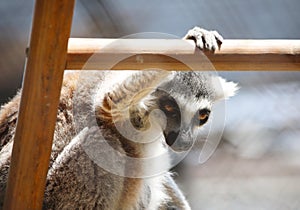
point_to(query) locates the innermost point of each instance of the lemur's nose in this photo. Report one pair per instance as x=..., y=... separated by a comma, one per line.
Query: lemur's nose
x=186, y=140
x=171, y=137
x=179, y=141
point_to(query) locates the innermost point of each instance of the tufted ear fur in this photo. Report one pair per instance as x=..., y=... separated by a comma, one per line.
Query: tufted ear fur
x=224, y=89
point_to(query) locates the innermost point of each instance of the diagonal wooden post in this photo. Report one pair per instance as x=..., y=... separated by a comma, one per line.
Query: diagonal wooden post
x=40, y=97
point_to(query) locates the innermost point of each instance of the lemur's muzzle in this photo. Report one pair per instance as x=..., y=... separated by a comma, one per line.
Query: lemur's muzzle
x=180, y=141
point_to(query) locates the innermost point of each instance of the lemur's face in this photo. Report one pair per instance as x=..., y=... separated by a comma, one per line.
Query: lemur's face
x=186, y=100
x=183, y=119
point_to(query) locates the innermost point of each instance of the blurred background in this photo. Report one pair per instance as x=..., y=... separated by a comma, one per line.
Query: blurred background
x=257, y=163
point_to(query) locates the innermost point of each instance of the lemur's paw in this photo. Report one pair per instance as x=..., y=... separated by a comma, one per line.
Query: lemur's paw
x=209, y=40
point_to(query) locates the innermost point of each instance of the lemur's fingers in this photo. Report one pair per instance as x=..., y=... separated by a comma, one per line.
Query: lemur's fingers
x=218, y=36
x=209, y=40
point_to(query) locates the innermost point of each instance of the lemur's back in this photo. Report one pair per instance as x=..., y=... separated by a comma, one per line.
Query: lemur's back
x=8, y=119
x=64, y=133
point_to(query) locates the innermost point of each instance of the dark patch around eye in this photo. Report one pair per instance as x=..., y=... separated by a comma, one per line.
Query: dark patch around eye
x=202, y=116
x=169, y=106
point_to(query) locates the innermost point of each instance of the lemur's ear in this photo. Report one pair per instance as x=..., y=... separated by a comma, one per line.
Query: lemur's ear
x=224, y=89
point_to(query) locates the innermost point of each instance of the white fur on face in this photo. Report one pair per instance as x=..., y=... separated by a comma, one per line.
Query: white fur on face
x=189, y=107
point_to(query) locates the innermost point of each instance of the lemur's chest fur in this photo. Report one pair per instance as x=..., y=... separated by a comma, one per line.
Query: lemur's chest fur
x=149, y=191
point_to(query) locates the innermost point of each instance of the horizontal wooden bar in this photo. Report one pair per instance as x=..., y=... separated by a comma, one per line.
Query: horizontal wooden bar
x=177, y=54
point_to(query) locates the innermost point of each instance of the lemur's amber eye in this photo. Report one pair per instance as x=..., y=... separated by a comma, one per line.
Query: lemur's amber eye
x=203, y=116
x=169, y=108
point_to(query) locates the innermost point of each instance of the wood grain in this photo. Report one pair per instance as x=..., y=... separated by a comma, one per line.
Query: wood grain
x=39, y=101
x=176, y=54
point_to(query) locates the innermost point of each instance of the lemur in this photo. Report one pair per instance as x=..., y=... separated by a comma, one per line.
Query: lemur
x=169, y=106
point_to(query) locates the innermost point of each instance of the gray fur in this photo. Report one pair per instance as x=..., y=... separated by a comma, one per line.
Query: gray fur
x=74, y=180
x=192, y=84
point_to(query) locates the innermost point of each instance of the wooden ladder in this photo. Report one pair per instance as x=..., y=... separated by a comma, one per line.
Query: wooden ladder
x=39, y=101
x=48, y=57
